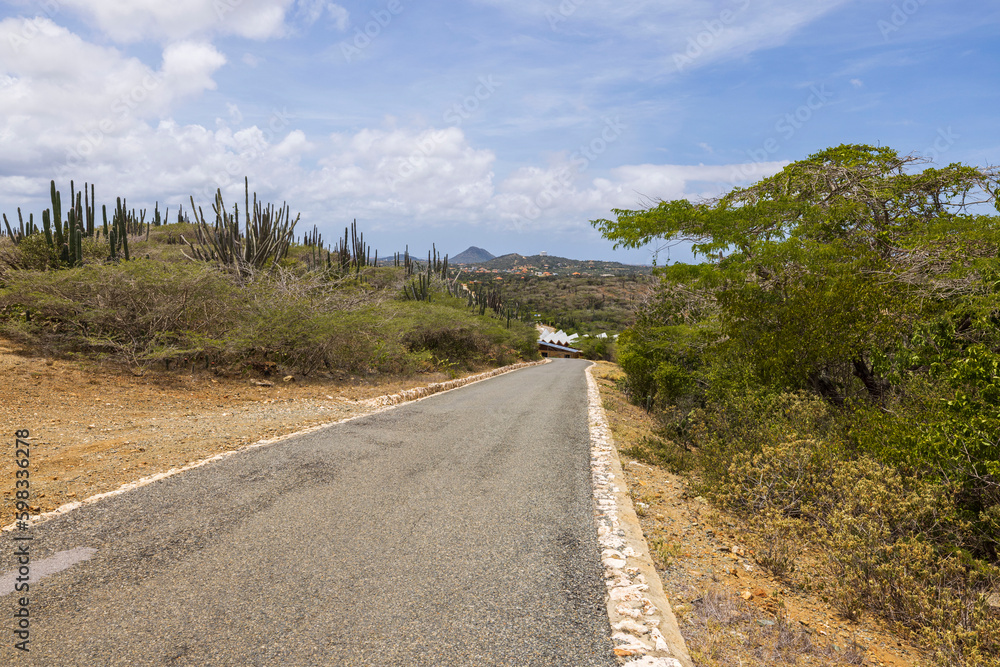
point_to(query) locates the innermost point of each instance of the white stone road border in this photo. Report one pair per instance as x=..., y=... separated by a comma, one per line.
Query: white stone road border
x=379, y=403
x=645, y=631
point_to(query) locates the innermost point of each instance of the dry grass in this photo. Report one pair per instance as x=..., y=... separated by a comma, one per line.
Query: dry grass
x=725, y=630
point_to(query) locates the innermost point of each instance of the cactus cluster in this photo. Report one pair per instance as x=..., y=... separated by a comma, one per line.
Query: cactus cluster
x=352, y=253
x=23, y=230
x=482, y=298
x=435, y=263
x=66, y=241
x=268, y=232
x=65, y=237
x=118, y=233
x=419, y=289
x=315, y=260
x=405, y=261
x=159, y=220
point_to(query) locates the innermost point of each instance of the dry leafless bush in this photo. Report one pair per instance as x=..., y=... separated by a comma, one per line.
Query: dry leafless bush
x=726, y=630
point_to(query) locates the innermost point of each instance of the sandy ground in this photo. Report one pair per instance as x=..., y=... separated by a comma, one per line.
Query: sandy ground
x=93, y=430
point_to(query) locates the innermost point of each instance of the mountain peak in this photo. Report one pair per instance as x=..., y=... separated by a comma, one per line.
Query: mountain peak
x=471, y=255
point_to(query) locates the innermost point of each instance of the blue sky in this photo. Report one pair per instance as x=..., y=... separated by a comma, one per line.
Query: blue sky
x=506, y=125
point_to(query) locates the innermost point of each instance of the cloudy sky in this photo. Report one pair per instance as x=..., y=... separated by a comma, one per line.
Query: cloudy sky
x=498, y=123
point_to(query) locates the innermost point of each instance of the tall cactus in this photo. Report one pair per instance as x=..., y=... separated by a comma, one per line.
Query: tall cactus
x=71, y=258
x=47, y=226
x=118, y=234
x=22, y=230
x=264, y=242
x=419, y=289
x=57, y=215
x=89, y=203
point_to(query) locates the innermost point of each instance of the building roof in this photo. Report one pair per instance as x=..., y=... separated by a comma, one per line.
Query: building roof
x=558, y=337
x=561, y=348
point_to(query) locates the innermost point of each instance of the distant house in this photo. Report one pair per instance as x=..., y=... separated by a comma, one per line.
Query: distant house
x=557, y=346
x=553, y=351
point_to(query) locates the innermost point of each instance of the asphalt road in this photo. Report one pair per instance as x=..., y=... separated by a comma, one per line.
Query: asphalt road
x=456, y=530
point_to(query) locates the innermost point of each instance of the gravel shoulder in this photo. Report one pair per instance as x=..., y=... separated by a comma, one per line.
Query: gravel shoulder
x=94, y=429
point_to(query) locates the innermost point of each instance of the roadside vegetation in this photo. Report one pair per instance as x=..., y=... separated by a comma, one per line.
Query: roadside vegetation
x=831, y=373
x=580, y=304
x=236, y=292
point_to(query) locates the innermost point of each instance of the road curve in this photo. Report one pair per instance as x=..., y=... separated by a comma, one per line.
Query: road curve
x=455, y=530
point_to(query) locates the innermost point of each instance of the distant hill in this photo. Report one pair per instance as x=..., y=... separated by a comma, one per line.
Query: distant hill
x=476, y=259
x=561, y=265
x=471, y=255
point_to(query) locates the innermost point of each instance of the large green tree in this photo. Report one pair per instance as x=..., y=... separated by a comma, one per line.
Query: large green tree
x=823, y=274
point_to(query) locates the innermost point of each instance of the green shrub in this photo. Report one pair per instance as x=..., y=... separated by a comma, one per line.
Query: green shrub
x=596, y=349
x=947, y=427
x=34, y=253
x=454, y=335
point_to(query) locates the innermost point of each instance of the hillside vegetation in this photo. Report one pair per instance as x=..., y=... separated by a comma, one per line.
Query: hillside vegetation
x=561, y=266
x=580, y=304
x=236, y=293
x=831, y=373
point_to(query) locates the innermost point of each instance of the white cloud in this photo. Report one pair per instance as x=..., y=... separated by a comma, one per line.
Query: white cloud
x=71, y=109
x=188, y=66
x=172, y=20
x=235, y=115
x=562, y=197
x=389, y=178
x=311, y=10
x=67, y=100
x=406, y=172
x=339, y=15
x=293, y=146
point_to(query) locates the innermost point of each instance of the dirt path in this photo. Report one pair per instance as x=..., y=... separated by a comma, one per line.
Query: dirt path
x=94, y=429
x=730, y=611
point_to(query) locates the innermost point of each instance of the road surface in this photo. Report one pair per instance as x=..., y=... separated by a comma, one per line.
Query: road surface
x=455, y=530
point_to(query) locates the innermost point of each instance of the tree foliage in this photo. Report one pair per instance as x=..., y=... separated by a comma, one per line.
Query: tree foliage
x=835, y=267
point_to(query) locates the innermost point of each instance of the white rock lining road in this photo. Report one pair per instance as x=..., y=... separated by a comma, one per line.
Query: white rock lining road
x=642, y=621
x=644, y=630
